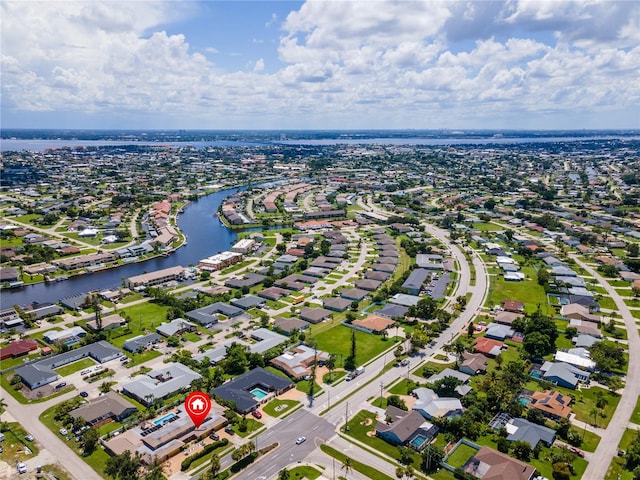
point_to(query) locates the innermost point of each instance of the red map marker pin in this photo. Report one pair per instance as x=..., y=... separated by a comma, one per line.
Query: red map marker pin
x=197, y=405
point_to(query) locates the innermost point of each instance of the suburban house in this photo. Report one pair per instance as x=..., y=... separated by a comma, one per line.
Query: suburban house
x=474, y=363
x=252, y=388
x=373, y=323
x=488, y=346
x=248, y=302
x=315, y=315
x=18, y=348
x=208, y=315
x=512, y=306
x=552, y=404
x=289, y=325
x=498, y=466
x=430, y=405
x=406, y=428
x=336, y=304
x=297, y=363
x=413, y=284
x=175, y=327
x=521, y=429
x=141, y=342
x=104, y=409
x=161, y=383
x=578, y=312
x=563, y=374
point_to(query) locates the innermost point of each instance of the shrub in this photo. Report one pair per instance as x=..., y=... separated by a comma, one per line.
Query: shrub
x=186, y=463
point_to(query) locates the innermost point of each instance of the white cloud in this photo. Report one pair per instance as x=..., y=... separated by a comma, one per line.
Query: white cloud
x=346, y=64
x=259, y=66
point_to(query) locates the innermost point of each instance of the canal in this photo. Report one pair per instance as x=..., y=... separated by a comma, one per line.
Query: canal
x=206, y=236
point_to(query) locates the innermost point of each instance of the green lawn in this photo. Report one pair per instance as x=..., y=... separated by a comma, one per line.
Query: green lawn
x=146, y=316
x=606, y=302
x=364, y=422
x=307, y=472
x=75, y=367
x=252, y=426
x=635, y=418
x=97, y=460
x=617, y=470
x=365, y=470
x=460, y=455
x=282, y=406
x=15, y=443
x=487, y=227
x=337, y=340
x=527, y=291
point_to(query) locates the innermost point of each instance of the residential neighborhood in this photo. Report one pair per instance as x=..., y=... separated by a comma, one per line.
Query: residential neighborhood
x=364, y=310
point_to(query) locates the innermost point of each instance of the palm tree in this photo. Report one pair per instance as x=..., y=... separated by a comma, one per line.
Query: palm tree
x=3, y=405
x=284, y=474
x=346, y=466
x=215, y=465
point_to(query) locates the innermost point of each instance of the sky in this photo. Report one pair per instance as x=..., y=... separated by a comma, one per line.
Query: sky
x=297, y=65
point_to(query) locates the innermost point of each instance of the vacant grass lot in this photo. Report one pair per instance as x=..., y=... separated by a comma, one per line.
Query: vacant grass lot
x=527, y=291
x=337, y=340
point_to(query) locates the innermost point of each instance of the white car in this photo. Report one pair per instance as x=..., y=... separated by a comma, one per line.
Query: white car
x=22, y=467
x=300, y=440
x=63, y=431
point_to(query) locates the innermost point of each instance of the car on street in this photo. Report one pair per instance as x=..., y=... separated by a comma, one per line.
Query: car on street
x=300, y=440
x=256, y=413
x=29, y=438
x=84, y=394
x=22, y=467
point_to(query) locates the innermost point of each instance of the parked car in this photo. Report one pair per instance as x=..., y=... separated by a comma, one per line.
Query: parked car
x=84, y=394
x=22, y=467
x=229, y=430
x=214, y=436
x=300, y=440
x=256, y=413
x=61, y=384
x=29, y=438
x=63, y=431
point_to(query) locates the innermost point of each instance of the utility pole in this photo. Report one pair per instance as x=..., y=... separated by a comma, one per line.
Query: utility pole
x=381, y=387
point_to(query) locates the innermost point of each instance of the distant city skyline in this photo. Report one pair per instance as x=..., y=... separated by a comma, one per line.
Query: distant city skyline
x=320, y=65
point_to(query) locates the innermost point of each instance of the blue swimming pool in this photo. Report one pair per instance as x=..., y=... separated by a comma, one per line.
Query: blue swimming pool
x=161, y=420
x=418, y=441
x=258, y=393
x=524, y=401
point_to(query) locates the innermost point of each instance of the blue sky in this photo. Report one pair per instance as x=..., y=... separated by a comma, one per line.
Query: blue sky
x=320, y=64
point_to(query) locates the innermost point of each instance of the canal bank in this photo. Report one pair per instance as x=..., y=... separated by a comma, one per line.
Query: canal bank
x=206, y=235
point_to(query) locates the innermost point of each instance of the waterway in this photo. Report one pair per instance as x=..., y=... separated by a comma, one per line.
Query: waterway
x=206, y=236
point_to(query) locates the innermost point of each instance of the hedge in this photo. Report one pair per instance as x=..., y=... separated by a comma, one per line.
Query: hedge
x=186, y=463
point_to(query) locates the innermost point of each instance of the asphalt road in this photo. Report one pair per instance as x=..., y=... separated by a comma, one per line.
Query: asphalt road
x=608, y=446
x=300, y=423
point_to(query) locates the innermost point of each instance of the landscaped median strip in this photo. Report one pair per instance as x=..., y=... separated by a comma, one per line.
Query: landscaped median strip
x=366, y=470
